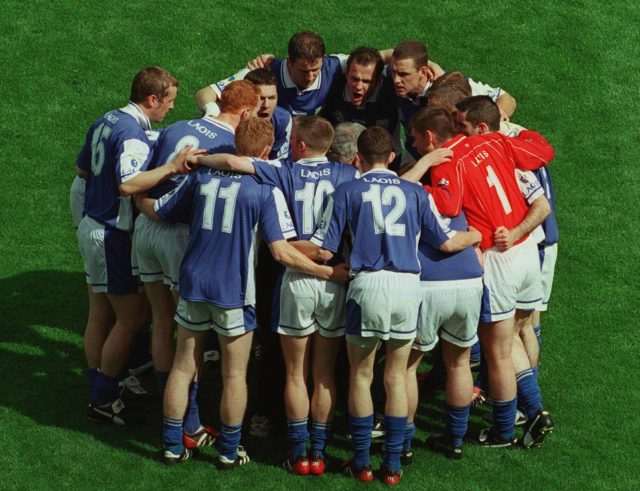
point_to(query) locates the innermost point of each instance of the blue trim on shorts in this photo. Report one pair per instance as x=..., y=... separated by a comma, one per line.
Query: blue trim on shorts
x=485, y=306
x=456, y=337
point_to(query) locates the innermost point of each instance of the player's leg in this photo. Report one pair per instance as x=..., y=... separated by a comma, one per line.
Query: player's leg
x=415, y=357
x=396, y=407
x=176, y=394
x=296, y=351
x=235, y=352
x=361, y=353
x=323, y=401
x=163, y=309
x=497, y=342
x=99, y=323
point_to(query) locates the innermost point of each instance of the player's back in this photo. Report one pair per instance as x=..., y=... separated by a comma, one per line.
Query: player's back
x=306, y=184
x=226, y=214
x=202, y=133
x=385, y=216
x=116, y=148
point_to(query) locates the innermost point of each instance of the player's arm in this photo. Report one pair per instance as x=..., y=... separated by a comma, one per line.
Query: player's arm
x=530, y=150
x=538, y=212
x=415, y=172
x=312, y=251
x=81, y=173
x=261, y=61
x=462, y=240
x=146, y=205
x=283, y=252
x=143, y=181
x=206, y=99
x=224, y=161
x=507, y=105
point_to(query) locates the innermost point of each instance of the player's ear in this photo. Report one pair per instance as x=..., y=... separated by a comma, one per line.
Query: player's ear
x=264, y=155
x=426, y=72
x=483, y=128
x=152, y=100
x=391, y=158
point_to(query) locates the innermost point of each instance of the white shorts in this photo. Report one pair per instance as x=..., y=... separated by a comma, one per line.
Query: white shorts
x=450, y=310
x=383, y=304
x=548, y=256
x=309, y=304
x=76, y=200
x=106, y=253
x=202, y=316
x=511, y=280
x=158, y=249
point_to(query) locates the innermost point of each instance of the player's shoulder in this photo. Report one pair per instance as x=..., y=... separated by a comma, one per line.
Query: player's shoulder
x=280, y=117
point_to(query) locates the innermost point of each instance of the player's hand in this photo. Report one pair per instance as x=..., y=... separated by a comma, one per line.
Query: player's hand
x=180, y=164
x=503, y=238
x=438, y=156
x=480, y=255
x=340, y=273
x=193, y=158
x=478, y=235
x=261, y=61
x=435, y=70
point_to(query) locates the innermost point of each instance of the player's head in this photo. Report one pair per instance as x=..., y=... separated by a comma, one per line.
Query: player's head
x=154, y=89
x=364, y=67
x=305, y=56
x=240, y=98
x=311, y=136
x=254, y=137
x=448, y=90
x=477, y=115
x=266, y=82
x=409, y=68
x=375, y=147
x=344, y=147
x=431, y=127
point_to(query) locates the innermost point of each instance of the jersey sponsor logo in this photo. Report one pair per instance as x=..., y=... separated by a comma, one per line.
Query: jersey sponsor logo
x=381, y=180
x=443, y=182
x=315, y=174
x=477, y=160
x=203, y=130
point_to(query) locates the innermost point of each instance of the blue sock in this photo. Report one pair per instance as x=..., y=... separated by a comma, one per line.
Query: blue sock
x=534, y=370
x=409, y=432
x=297, y=434
x=161, y=382
x=538, y=330
x=91, y=376
x=504, y=419
x=320, y=434
x=457, y=419
x=360, y=429
x=105, y=389
x=192, y=416
x=529, y=397
x=394, y=427
x=172, y=435
x=229, y=440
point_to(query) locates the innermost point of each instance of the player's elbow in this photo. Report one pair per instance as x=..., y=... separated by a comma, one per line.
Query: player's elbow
x=127, y=189
x=324, y=255
x=449, y=246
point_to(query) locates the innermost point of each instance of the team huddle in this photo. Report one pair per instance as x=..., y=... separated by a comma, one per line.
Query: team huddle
x=406, y=209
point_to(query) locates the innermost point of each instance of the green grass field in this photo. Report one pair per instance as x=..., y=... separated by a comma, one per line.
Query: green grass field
x=573, y=68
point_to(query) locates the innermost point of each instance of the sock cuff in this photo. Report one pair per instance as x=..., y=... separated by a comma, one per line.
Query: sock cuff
x=177, y=423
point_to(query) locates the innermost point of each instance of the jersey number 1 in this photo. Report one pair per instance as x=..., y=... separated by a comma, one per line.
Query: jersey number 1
x=211, y=191
x=494, y=182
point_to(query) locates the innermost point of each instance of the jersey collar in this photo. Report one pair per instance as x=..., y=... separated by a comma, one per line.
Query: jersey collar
x=454, y=141
x=288, y=82
x=222, y=124
x=133, y=110
x=380, y=171
x=312, y=161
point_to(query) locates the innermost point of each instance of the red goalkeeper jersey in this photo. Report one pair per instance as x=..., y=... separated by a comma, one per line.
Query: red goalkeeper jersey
x=480, y=179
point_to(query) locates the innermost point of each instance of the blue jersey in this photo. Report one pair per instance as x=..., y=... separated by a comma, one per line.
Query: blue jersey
x=226, y=212
x=306, y=184
x=281, y=122
x=204, y=133
x=440, y=266
x=309, y=101
x=550, y=225
x=386, y=217
x=378, y=110
x=116, y=149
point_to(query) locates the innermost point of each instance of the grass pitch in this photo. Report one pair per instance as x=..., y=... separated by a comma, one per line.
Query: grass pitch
x=573, y=68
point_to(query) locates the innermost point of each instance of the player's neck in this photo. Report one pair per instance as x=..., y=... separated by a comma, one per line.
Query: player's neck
x=231, y=119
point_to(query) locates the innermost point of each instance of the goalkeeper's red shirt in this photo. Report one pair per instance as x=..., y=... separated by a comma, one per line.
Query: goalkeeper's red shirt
x=480, y=179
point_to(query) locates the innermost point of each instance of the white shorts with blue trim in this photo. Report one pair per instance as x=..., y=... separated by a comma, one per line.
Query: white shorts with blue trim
x=309, y=304
x=450, y=310
x=158, y=249
x=202, y=316
x=548, y=255
x=383, y=304
x=512, y=280
x=76, y=200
